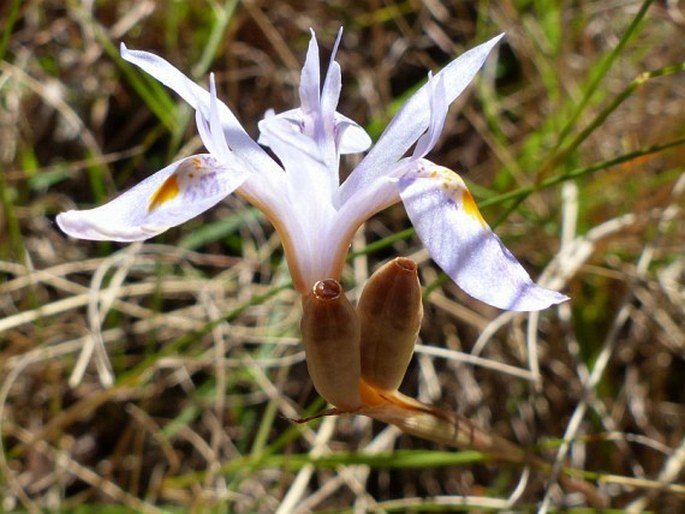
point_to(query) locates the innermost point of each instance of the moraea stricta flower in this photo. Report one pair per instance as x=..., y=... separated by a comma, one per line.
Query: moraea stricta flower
x=300, y=193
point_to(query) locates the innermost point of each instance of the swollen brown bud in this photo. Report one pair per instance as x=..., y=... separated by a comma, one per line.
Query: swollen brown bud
x=390, y=312
x=330, y=333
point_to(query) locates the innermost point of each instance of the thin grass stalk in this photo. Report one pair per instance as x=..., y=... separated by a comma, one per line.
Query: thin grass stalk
x=601, y=69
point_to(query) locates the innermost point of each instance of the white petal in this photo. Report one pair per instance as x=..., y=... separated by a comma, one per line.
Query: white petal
x=449, y=224
x=215, y=118
x=350, y=215
x=317, y=118
x=302, y=159
x=210, y=129
x=332, y=84
x=310, y=88
x=318, y=106
x=294, y=116
x=199, y=98
x=168, y=198
x=414, y=118
x=438, y=113
x=351, y=137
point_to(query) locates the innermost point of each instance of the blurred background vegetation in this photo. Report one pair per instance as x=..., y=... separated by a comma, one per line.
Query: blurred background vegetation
x=162, y=377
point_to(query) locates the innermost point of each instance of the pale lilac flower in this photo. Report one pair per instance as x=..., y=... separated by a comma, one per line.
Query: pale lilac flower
x=300, y=193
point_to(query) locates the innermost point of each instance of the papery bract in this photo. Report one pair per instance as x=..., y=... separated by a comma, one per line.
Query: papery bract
x=300, y=193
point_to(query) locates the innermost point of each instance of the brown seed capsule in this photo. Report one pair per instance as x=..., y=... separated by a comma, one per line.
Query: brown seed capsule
x=330, y=333
x=390, y=312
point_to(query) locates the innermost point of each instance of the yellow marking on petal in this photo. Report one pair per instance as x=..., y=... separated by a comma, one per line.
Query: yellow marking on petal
x=471, y=208
x=167, y=191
